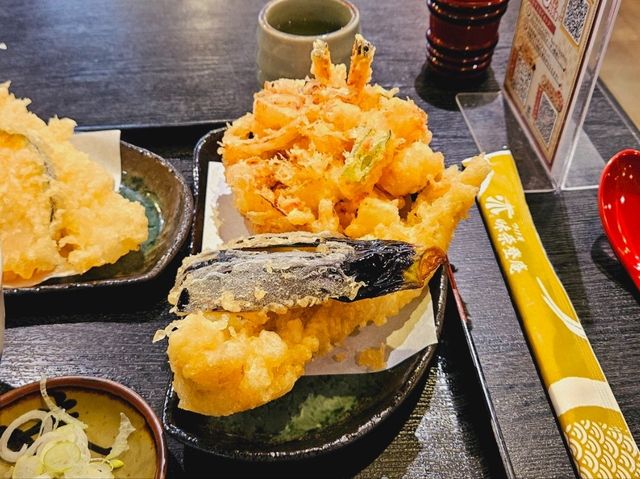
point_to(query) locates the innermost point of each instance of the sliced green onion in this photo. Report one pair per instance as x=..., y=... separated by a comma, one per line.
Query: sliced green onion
x=7, y=454
x=61, y=452
x=61, y=456
x=120, y=443
x=57, y=411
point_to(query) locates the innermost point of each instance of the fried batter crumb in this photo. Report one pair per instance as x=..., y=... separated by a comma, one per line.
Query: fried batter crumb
x=374, y=359
x=339, y=357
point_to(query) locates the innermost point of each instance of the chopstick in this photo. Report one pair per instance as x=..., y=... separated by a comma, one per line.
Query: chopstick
x=594, y=428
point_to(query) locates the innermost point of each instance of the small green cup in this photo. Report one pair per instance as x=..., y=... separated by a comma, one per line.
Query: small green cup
x=288, y=28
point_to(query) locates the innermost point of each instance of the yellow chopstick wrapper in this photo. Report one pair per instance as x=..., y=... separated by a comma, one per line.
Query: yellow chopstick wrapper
x=595, y=429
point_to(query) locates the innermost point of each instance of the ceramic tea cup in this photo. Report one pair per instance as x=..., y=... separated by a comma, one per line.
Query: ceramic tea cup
x=288, y=28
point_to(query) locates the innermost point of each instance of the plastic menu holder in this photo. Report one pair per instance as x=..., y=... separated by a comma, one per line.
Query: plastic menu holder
x=538, y=115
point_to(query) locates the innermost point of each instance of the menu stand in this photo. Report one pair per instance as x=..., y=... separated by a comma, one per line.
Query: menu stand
x=499, y=120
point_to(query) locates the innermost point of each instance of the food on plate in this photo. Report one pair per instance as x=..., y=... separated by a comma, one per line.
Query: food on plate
x=278, y=272
x=59, y=213
x=60, y=448
x=225, y=362
x=331, y=155
x=335, y=153
x=372, y=358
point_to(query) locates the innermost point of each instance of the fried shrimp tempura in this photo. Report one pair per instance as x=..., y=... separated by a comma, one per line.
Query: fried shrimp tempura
x=58, y=210
x=333, y=153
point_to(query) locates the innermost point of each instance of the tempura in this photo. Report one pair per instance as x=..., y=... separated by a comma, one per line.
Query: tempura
x=329, y=154
x=59, y=213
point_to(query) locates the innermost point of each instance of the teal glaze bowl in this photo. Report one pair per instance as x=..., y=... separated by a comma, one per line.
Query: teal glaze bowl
x=155, y=183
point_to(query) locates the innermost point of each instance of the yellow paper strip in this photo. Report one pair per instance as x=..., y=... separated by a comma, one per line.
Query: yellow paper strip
x=595, y=429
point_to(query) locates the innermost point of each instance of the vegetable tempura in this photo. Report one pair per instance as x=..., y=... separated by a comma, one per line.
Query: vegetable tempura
x=58, y=210
x=329, y=154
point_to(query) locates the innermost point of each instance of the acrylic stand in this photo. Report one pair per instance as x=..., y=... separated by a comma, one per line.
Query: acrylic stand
x=495, y=125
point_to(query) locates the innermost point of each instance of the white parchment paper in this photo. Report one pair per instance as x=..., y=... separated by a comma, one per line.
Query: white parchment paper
x=412, y=330
x=103, y=147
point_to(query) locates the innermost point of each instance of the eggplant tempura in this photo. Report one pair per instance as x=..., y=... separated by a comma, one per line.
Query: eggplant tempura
x=330, y=154
x=298, y=270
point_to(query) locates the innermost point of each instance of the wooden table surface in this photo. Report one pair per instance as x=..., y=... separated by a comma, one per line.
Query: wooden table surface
x=162, y=62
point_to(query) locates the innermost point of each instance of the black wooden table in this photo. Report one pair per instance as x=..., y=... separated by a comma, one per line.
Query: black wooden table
x=161, y=62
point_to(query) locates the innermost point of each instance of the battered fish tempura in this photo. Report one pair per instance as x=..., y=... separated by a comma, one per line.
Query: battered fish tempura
x=329, y=154
x=58, y=210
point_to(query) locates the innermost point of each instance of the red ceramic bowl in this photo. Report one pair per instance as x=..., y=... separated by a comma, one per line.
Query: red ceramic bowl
x=619, y=205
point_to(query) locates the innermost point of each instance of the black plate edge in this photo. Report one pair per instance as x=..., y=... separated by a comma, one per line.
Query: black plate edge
x=184, y=227
x=479, y=373
x=145, y=128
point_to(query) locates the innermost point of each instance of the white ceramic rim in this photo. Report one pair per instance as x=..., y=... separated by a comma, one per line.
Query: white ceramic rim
x=352, y=24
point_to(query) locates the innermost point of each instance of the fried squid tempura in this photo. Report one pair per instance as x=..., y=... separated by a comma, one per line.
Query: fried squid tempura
x=329, y=154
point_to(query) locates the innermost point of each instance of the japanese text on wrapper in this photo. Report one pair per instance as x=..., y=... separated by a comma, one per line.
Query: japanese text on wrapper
x=508, y=232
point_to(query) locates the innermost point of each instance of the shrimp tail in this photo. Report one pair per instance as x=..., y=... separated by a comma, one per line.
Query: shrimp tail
x=360, y=68
x=321, y=67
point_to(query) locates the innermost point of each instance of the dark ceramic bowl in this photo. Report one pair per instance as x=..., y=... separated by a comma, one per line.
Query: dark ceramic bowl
x=160, y=188
x=319, y=415
x=98, y=403
x=322, y=413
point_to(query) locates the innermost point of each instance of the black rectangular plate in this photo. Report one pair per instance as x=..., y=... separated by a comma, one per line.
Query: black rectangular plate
x=463, y=384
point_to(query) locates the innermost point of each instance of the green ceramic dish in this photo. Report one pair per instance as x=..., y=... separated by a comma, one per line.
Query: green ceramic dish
x=155, y=183
x=322, y=413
